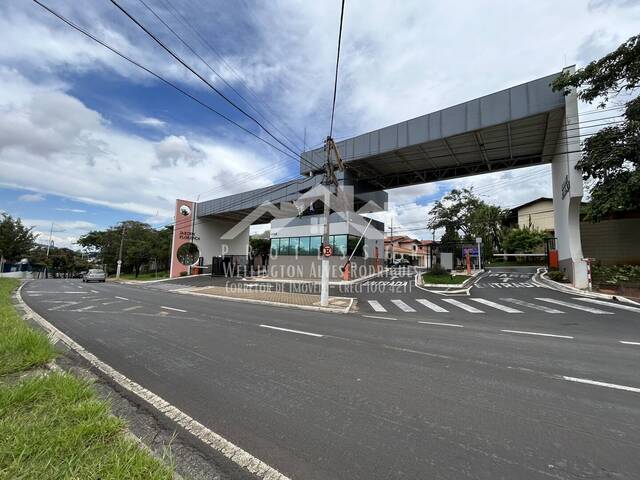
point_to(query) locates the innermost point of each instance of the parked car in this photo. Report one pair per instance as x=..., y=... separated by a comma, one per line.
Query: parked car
x=95, y=275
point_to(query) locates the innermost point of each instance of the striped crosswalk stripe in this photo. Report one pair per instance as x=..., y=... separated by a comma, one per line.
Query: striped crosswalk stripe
x=575, y=305
x=376, y=306
x=489, y=303
x=461, y=305
x=534, y=306
x=402, y=306
x=609, y=304
x=431, y=305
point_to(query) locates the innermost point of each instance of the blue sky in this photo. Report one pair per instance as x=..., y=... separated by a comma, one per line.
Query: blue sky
x=87, y=140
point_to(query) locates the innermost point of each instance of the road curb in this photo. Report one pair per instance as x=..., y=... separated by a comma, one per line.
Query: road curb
x=467, y=285
x=231, y=451
x=541, y=280
x=347, y=309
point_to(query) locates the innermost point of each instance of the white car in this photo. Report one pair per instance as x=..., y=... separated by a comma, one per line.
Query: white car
x=95, y=275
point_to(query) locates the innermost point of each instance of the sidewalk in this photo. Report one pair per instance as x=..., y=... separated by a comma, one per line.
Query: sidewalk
x=305, y=301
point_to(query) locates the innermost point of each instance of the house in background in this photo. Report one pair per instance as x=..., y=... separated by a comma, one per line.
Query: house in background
x=416, y=252
x=612, y=241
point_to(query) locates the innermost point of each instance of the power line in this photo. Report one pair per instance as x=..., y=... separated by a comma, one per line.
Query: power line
x=335, y=83
x=161, y=78
x=190, y=48
x=204, y=80
x=203, y=41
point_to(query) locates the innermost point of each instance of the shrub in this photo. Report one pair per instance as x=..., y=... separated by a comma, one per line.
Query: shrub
x=184, y=274
x=438, y=269
x=556, y=276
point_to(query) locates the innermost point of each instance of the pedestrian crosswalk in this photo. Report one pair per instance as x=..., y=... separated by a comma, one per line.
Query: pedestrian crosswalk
x=508, y=305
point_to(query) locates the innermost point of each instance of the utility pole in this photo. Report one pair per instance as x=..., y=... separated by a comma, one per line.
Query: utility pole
x=46, y=275
x=392, y=257
x=124, y=226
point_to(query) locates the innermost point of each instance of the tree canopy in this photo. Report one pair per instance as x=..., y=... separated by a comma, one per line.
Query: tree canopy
x=16, y=240
x=141, y=245
x=611, y=156
x=464, y=216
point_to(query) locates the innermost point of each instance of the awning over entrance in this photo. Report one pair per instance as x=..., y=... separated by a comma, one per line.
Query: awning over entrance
x=513, y=128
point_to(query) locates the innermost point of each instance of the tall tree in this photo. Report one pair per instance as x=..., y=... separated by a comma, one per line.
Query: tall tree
x=464, y=216
x=16, y=240
x=611, y=156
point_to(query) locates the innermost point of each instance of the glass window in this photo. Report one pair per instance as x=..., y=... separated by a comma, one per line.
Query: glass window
x=274, y=246
x=303, y=246
x=314, y=245
x=340, y=245
x=352, y=241
x=293, y=246
x=283, y=246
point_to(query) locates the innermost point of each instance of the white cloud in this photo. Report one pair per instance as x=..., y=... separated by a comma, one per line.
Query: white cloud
x=31, y=197
x=47, y=130
x=151, y=122
x=64, y=234
x=71, y=210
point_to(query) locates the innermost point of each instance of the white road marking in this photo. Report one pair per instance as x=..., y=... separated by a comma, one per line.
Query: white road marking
x=535, y=306
x=131, y=308
x=461, y=305
x=626, y=342
x=378, y=316
x=431, y=305
x=174, y=309
x=443, y=324
x=376, y=306
x=85, y=308
x=489, y=303
x=94, y=291
x=576, y=306
x=231, y=451
x=609, y=304
x=537, y=333
x=111, y=303
x=292, y=331
x=602, y=384
x=402, y=306
x=122, y=298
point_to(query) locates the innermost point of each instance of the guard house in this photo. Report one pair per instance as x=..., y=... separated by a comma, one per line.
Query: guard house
x=517, y=127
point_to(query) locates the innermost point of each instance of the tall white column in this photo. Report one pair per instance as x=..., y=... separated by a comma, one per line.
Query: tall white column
x=567, y=194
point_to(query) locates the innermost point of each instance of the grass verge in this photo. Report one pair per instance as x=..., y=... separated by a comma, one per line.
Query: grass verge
x=21, y=347
x=53, y=425
x=444, y=279
x=144, y=277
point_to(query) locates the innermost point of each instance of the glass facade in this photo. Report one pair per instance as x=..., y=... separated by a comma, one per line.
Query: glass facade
x=305, y=246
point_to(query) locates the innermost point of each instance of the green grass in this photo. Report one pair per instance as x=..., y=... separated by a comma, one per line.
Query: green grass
x=144, y=276
x=54, y=427
x=444, y=279
x=21, y=347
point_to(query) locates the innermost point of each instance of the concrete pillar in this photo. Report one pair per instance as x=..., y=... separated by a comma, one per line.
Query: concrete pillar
x=567, y=194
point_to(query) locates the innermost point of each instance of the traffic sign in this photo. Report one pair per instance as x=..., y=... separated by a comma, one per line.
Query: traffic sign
x=327, y=250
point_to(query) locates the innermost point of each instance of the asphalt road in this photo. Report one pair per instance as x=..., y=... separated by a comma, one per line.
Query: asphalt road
x=382, y=395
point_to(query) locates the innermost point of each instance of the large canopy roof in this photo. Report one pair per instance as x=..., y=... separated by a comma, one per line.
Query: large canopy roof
x=512, y=128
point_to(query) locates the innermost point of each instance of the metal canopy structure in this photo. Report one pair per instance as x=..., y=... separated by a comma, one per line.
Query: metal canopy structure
x=516, y=127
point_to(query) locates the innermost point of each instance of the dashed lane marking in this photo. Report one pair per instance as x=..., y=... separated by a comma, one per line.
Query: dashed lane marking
x=461, y=305
x=173, y=309
x=380, y=317
x=403, y=306
x=431, y=305
x=627, y=342
x=84, y=309
x=122, y=298
x=608, y=304
x=534, y=306
x=498, y=306
x=443, y=324
x=574, y=305
x=539, y=334
x=128, y=309
x=300, y=332
x=602, y=384
x=376, y=306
